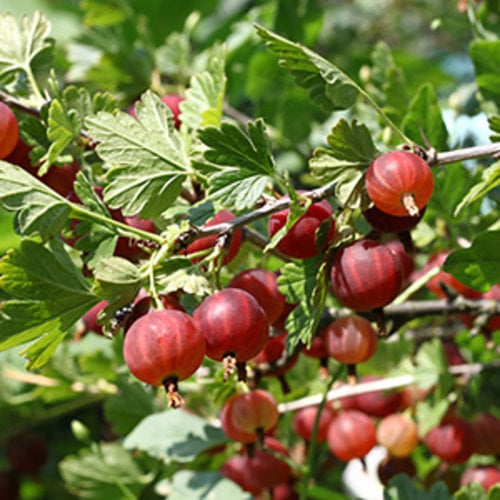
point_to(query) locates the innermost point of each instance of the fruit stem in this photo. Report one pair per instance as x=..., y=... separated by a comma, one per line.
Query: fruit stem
x=175, y=400
x=408, y=201
x=352, y=376
x=229, y=364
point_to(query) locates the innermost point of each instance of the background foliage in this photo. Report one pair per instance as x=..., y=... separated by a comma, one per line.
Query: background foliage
x=300, y=93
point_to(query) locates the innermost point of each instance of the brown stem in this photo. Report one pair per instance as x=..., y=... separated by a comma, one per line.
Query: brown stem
x=175, y=400
x=408, y=201
x=352, y=376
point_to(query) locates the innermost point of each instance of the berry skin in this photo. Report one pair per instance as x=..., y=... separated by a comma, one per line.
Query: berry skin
x=234, y=325
x=9, y=130
x=351, y=340
x=400, y=183
x=487, y=476
x=366, y=275
x=386, y=223
x=303, y=422
x=300, y=241
x=453, y=440
x=398, y=434
x=247, y=416
x=208, y=242
x=262, y=284
x=163, y=347
x=351, y=435
x=27, y=452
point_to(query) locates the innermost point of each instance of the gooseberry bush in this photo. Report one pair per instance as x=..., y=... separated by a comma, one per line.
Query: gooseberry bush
x=247, y=252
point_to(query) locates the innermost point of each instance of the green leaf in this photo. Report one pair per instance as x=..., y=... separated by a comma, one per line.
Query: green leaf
x=148, y=157
x=205, y=96
x=22, y=42
x=478, y=266
x=66, y=117
x=104, y=471
x=244, y=163
x=39, y=208
x=127, y=408
x=490, y=179
x=195, y=485
x=401, y=487
x=118, y=281
x=174, y=435
x=485, y=55
x=303, y=283
x=424, y=119
x=472, y=491
x=47, y=294
x=328, y=86
x=494, y=122
x=350, y=153
x=389, y=82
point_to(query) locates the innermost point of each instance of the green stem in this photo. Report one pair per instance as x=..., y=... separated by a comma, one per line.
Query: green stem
x=311, y=454
x=34, y=85
x=384, y=117
x=82, y=212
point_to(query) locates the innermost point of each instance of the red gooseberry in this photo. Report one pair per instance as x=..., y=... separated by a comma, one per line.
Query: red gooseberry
x=366, y=275
x=398, y=434
x=208, y=242
x=234, y=325
x=400, y=183
x=301, y=242
x=9, y=130
x=163, y=347
x=351, y=435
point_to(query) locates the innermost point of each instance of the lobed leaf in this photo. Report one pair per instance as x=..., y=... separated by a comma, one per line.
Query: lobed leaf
x=196, y=485
x=149, y=163
x=328, y=86
x=478, y=266
x=485, y=55
x=424, y=120
x=205, y=96
x=39, y=208
x=102, y=472
x=350, y=152
x=46, y=293
x=174, y=436
x=490, y=179
x=243, y=163
x=22, y=42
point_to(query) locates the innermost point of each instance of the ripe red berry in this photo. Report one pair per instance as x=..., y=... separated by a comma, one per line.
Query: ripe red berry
x=173, y=102
x=453, y=440
x=208, y=242
x=366, y=275
x=487, y=476
x=386, y=223
x=304, y=419
x=392, y=466
x=350, y=340
x=351, y=435
x=406, y=260
x=9, y=130
x=247, y=416
x=263, y=285
x=89, y=320
x=10, y=485
x=446, y=280
x=301, y=240
x=234, y=325
x=27, y=452
x=398, y=433
x=378, y=403
x=400, y=183
x=486, y=428
x=130, y=248
x=163, y=347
